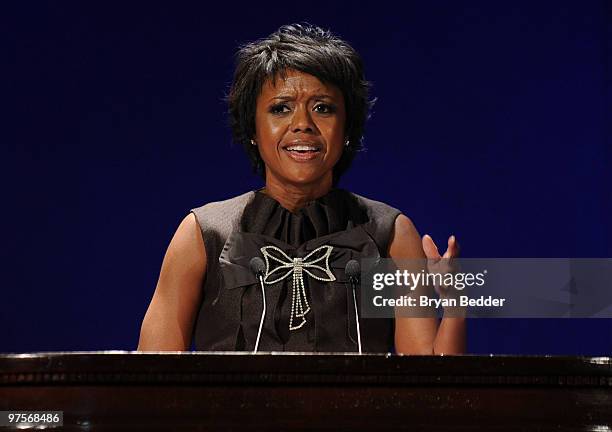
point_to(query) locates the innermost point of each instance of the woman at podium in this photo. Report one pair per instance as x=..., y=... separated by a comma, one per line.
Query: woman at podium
x=267, y=270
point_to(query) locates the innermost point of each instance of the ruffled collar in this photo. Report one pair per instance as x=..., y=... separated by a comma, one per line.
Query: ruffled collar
x=338, y=210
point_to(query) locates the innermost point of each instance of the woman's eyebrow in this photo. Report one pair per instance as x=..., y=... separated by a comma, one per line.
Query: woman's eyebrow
x=282, y=97
x=322, y=96
x=292, y=97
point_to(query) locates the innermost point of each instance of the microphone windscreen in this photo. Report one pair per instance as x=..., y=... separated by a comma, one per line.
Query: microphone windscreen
x=257, y=265
x=352, y=269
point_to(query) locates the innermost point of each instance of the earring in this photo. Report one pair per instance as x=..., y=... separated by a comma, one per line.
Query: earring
x=253, y=142
x=346, y=143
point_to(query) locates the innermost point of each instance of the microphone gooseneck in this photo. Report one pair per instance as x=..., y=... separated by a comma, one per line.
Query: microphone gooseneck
x=258, y=267
x=352, y=271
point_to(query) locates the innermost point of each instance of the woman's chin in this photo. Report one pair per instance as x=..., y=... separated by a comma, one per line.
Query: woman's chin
x=307, y=177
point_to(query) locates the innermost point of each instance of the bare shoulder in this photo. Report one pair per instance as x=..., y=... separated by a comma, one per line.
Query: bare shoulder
x=406, y=240
x=188, y=232
x=184, y=264
x=187, y=245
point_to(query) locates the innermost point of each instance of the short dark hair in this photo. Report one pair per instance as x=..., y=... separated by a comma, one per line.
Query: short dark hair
x=309, y=49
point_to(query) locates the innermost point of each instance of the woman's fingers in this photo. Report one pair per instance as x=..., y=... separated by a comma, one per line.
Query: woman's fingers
x=441, y=264
x=430, y=248
x=453, y=248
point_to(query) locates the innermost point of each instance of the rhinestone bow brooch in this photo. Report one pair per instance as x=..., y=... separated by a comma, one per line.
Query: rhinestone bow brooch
x=279, y=266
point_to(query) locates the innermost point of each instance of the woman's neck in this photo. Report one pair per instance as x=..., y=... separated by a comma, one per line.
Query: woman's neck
x=294, y=197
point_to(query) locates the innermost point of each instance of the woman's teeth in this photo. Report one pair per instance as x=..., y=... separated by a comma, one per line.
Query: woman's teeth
x=302, y=148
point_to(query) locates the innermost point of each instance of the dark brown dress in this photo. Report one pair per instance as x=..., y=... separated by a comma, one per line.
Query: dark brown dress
x=322, y=236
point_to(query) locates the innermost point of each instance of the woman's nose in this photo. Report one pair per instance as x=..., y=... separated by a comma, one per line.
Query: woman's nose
x=302, y=121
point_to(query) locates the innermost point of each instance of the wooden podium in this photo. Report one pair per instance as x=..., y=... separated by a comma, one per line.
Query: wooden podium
x=239, y=391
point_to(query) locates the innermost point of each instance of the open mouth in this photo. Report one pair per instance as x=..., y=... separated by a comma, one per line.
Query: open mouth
x=303, y=152
x=303, y=149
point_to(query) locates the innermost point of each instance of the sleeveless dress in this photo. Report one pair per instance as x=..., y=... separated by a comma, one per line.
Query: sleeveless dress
x=321, y=237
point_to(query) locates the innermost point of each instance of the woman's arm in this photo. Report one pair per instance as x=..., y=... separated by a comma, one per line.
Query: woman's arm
x=422, y=335
x=168, y=323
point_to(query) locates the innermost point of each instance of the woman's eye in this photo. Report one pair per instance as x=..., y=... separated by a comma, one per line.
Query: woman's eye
x=280, y=108
x=324, y=108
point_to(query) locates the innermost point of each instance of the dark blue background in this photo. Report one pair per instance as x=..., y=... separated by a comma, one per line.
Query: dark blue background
x=492, y=123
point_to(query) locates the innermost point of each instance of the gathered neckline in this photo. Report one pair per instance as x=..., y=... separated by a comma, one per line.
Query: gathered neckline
x=328, y=197
x=335, y=211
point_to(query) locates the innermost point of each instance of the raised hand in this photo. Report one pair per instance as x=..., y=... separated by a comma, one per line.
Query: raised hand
x=442, y=264
x=431, y=250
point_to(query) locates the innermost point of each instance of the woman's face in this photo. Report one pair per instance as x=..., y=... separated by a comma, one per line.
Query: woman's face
x=299, y=125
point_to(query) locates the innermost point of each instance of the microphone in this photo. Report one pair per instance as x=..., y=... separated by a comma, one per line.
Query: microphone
x=258, y=267
x=352, y=271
